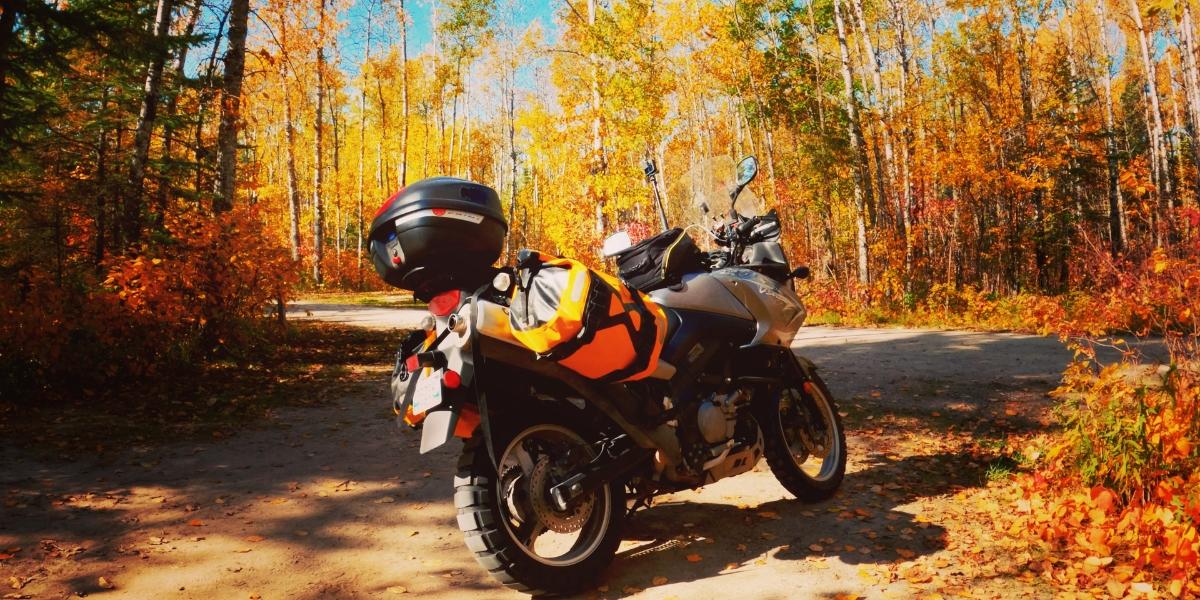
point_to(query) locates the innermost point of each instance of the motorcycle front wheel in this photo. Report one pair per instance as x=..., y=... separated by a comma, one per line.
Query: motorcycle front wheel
x=804, y=442
x=512, y=524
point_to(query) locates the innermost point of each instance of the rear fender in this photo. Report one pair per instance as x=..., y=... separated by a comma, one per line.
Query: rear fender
x=457, y=415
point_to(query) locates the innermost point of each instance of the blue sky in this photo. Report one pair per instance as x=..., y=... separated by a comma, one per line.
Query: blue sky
x=352, y=38
x=420, y=29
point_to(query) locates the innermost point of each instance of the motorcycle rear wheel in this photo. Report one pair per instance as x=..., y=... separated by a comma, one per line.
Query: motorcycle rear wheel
x=804, y=442
x=506, y=517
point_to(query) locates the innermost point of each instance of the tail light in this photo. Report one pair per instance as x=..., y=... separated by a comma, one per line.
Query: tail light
x=451, y=380
x=444, y=303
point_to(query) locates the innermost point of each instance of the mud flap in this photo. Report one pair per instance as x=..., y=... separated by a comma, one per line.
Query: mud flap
x=437, y=429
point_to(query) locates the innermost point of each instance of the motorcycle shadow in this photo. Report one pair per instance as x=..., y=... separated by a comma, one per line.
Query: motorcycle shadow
x=864, y=523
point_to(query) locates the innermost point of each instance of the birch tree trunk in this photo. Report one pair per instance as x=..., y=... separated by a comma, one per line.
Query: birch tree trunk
x=362, y=150
x=102, y=180
x=906, y=136
x=1158, y=143
x=887, y=193
x=132, y=208
x=231, y=106
x=1192, y=84
x=1116, y=204
x=318, y=151
x=854, y=132
x=466, y=138
x=512, y=147
x=599, y=163
x=403, y=159
x=454, y=117
x=1031, y=147
x=293, y=188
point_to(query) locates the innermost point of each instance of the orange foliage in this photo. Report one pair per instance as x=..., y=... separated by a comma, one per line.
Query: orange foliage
x=196, y=293
x=1121, y=485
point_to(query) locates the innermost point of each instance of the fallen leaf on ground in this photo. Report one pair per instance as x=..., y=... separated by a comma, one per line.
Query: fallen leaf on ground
x=105, y=583
x=242, y=550
x=660, y=580
x=5, y=556
x=768, y=514
x=816, y=547
x=694, y=558
x=195, y=523
x=254, y=539
x=397, y=589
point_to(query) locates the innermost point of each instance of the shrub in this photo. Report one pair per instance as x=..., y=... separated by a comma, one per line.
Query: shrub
x=198, y=290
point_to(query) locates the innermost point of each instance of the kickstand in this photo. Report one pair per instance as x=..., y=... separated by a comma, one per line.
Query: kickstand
x=642, y=501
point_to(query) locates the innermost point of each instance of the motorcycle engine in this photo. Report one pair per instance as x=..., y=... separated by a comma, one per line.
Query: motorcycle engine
x=724, y=440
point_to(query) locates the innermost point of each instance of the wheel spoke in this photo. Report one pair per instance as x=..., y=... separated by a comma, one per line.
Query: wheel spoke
x=529, y=531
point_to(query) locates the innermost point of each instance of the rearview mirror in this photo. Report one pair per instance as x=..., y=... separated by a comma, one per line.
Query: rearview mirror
x=746, y=170
x=616, y=244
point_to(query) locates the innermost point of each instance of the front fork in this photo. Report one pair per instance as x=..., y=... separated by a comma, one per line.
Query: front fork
x=813, y=431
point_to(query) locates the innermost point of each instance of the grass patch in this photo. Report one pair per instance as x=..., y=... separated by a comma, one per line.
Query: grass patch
x=1001, y=468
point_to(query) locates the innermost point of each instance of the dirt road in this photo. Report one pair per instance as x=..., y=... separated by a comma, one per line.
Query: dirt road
x=334, y=501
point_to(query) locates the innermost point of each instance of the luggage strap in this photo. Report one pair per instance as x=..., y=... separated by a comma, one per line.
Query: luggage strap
x=595, y=320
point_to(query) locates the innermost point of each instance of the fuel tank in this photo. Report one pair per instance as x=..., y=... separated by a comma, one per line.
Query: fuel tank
x=741, y=293
x=702, y=292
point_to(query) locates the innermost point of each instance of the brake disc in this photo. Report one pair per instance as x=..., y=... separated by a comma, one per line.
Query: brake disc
x=814, y=441
x=515, y=495
x=568, y=521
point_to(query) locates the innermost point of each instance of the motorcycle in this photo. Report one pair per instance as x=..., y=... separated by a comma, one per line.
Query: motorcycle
x=553, y=462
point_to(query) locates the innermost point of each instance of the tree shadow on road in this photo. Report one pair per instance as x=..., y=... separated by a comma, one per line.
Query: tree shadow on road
x=863, y=524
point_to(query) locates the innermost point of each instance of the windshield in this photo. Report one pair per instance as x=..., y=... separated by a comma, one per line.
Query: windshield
x=709, y=181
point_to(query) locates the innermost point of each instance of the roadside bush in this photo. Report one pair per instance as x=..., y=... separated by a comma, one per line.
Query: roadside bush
x=1120, y=486
x=198, y=290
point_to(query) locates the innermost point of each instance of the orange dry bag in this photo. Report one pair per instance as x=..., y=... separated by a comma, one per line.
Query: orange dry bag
x=589, y=322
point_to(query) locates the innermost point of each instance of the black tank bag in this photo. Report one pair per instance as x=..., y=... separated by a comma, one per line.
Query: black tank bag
x=659, y=261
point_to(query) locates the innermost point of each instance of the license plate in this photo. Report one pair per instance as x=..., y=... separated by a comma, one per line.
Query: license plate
x=428, y=394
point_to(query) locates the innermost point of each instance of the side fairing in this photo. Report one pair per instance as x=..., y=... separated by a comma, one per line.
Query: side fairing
x=779, y=313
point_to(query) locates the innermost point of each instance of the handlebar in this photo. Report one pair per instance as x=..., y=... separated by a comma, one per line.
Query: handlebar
x=748, y=226
x=737, y=230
